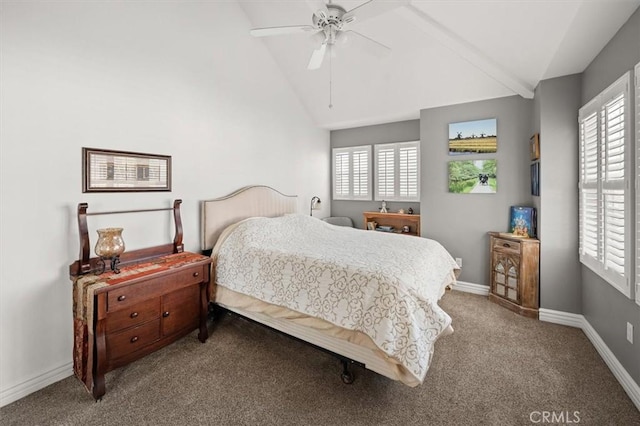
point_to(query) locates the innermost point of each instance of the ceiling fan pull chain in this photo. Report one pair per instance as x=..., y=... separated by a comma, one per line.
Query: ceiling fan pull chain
x=330, y=78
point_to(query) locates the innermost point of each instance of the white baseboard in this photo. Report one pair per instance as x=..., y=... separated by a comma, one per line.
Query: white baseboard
x=482, y=290
x=579, y=321
x=627, y=382
x=562, y=318
x=14, y=393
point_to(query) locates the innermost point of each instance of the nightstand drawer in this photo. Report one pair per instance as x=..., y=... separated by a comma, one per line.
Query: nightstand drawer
x=132, y=339
x=506, y=245
x=130, y=295
x=133, y=315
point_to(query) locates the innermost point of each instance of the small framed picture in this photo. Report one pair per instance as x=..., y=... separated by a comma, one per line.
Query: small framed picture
x=534, y=147
x=535, y=179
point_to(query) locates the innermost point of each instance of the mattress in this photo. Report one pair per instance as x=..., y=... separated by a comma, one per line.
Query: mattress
x=375, y=292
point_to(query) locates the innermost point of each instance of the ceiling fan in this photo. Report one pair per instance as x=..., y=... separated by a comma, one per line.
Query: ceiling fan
x=331, y=22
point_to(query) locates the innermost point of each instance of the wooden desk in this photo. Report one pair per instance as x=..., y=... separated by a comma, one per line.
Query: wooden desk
x=159, y=296
x=396, y=220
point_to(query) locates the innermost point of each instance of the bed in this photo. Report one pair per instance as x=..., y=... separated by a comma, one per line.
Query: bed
x=368, y=298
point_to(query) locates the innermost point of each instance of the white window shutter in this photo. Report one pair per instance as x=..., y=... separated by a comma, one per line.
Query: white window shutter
x=613, y=184
x=352, y=173
x=589, y=201
x=409, y=173
x=385, y=173
x=637, y=258
x=604, y=198
x=341, y=174
x=360, y=172
x=397, y=171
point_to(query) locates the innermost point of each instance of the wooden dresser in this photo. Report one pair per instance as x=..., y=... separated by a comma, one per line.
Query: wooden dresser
x=514, y=273
x=395, y=220
x=159, y=296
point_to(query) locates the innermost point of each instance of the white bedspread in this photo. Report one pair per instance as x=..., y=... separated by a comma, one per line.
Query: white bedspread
x=384, y=285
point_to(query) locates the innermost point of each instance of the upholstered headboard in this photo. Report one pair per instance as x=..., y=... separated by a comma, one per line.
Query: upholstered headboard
x=250, y=201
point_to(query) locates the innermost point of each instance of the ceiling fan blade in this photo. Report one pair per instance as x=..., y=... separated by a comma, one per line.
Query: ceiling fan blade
x=365, y=43
x=293, y=29
x=317, y=56
x=316, y=5
x=372, y=8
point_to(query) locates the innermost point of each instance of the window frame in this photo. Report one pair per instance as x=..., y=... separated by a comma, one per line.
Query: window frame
x=395, y=148
x=350, y=151
x=606, y=188
x=637, y=180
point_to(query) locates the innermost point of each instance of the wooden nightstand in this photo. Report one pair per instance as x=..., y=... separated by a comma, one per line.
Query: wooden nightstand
x=514, y=273
x=159, y=296
x=395, y=220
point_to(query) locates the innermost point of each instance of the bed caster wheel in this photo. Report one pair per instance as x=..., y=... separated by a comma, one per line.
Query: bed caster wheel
x=347, y=378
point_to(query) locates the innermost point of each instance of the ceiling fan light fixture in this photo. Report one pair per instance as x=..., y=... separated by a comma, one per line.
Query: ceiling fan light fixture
x=330, y=25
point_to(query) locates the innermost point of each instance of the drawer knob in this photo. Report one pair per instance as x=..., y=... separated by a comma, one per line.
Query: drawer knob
x=134, y=315
x=121, y=298
x=134, y=339
x=195, y=274
x=506, y=245
x=165, y=314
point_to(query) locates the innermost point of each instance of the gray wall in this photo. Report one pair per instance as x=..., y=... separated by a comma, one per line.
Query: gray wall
x=606, y=309
x=461, y=221
x=401, y=131
x=559, y=101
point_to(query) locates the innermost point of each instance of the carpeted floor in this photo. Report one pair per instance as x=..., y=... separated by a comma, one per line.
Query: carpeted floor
x=497, y=368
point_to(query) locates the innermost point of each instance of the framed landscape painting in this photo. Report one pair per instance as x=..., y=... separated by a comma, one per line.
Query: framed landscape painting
x=473, y=177
x=473, y=137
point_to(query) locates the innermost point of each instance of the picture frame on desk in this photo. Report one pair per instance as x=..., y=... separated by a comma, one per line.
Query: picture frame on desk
x=522, y=221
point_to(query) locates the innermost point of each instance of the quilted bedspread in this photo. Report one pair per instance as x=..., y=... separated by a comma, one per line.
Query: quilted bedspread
x=384, y=285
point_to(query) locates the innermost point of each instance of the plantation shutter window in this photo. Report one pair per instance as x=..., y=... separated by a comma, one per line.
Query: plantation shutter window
x=408, y=184
x=637, y=80
x=397, y=171
x=604, y=196
x=352, y=173
x=589, y=186
x=385, y=173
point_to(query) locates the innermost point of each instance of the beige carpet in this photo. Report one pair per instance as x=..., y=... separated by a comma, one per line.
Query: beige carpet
x=497, y=368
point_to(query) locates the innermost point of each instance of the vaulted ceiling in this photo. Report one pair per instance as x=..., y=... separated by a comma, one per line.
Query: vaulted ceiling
x=442, y=52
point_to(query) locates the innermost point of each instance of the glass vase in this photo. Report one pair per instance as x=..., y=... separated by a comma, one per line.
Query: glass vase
x=110, y=243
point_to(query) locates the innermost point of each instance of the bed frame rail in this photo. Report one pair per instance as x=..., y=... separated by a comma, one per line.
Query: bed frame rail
x=347, y=374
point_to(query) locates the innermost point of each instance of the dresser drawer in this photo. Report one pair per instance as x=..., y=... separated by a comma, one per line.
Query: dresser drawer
x=133, y=315
x=132, y=339
x=125, y=297
x=506, y=245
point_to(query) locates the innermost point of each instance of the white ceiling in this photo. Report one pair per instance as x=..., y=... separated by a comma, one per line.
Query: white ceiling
x=443, y=53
